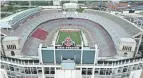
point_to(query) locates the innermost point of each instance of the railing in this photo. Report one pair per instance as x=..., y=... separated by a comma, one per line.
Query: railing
x=114, y=68
x=136, y=20
x=120, y=62
x=20, y=61
x=136, y=60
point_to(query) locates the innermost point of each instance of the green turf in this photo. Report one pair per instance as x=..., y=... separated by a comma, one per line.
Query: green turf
x=75, y=36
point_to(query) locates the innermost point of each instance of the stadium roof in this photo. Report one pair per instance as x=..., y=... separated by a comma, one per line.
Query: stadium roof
x=5, y=24
x=10, y=38
x=127, y=40
x=9, y=18
x=133, y=15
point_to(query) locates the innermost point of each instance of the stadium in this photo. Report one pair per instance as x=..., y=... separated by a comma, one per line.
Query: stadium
x=56, y=43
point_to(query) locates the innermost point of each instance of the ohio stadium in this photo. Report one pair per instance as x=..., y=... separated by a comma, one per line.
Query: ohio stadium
x=61, y=42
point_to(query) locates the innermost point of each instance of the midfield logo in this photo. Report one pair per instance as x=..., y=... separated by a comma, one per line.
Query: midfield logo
x=68, y=42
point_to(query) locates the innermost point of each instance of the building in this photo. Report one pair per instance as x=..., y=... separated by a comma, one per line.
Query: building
x=53, y=43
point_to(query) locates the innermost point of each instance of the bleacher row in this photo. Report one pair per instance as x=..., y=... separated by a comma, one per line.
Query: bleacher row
x=110, y=27
x=52, y=14
x=128, y=27
x=30, y=27
x=55, y=15
x=40, y=34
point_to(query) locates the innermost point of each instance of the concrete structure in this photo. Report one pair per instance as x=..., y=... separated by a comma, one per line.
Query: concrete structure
x=127, y=46
x=11, y=46
x=135, y=18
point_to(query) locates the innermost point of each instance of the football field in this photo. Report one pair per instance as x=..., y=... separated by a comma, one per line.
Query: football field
x=74, y=35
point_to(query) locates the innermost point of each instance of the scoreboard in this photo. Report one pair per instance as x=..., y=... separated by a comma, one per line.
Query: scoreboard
x=64, y=47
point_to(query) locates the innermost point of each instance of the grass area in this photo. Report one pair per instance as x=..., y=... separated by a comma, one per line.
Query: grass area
x=74, y=35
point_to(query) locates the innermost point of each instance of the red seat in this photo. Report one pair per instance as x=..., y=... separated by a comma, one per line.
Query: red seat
x=40, y=34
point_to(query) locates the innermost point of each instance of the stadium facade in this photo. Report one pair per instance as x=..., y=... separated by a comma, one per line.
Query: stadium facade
x=108, y=47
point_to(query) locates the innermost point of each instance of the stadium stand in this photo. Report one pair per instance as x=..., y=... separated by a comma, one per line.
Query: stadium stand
x=104, y=67
x=40, y=34
x=99, y=63
x=115, y=36
x=53, y=14
x=14, y=20
x=128, y=27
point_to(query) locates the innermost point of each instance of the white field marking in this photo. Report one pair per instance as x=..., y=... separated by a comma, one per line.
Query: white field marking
x=84, y=39
x=88, y=33
x=49, y=36
x=56, y=37
x=68, y=29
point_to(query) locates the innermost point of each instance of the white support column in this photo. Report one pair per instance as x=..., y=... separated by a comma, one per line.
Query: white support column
x=54, y=59
x=140, y=40
x=95, y=60
x=29, y=4
x=116, y=70
x=137, y=21
x=99, y=71
x=37, y=71
x=40, y=54
x=30, y=71
x=81, y=52
x=40, y=59
x=81, y=57
x=121, y=69
x=93, y=71
x=96, y=54
x=55, y=72
x=54, y=54
x=43, y=75
x=130, y=19
x=24, y=68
